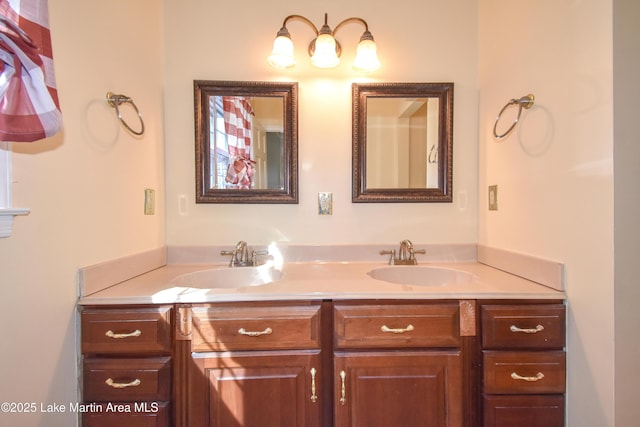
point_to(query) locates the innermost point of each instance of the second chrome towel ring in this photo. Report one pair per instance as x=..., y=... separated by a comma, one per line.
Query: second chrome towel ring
x=525, y=102
x=115, y=100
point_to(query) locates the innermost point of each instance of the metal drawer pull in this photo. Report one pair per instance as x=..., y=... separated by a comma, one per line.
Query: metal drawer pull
x=243, y=331
x=385, y=328
x=112, y=334
x=314, y=397
x=114, y=384
x=343, y=392
x=535, y=330
x=538, y=377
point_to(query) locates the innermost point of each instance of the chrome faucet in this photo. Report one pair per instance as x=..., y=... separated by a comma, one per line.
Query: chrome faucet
x=406, y=254
x=240, y=255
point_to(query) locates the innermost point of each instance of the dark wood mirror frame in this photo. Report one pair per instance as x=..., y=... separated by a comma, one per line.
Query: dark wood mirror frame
x=288, y=91
x=361, y=92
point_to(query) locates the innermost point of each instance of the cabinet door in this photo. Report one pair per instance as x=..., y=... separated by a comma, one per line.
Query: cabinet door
x=255, y=389
x=408, y=388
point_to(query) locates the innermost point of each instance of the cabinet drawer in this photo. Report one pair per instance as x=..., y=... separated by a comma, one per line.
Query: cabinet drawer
x=120, y=380
x=423, y=325
x=529, y=411
x=523, y=326
x=138, y=414
x=524, y=372
x=126, y=331
x=255, y=328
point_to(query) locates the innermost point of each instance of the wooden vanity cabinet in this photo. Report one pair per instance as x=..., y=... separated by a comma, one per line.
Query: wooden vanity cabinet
x=524, y=364
x=398, y=365
x=126, y=366
x=435, y=363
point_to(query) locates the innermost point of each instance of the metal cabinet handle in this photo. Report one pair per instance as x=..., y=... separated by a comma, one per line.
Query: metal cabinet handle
x=343, y=391
x=535, y=330
x=112, y=334
x=385, y=328
x=243, y=331
x=538, y=377
x=314, y=397
x=112, y=383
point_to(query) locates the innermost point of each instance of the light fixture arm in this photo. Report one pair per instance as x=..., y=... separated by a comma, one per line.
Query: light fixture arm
x=303, y=19
x=346, y=21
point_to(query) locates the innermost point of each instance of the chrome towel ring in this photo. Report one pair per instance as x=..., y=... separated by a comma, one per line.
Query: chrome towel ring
x=115, y=101
x=525, y=102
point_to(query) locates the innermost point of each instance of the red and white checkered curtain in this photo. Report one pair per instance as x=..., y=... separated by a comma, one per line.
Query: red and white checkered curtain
x=29, y=107
x=238, y=118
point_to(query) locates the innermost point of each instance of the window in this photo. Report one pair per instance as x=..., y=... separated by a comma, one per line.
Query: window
x=7, y=212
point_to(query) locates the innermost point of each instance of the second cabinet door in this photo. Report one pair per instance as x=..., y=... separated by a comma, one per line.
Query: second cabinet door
x=408, y=388
x=255, y=389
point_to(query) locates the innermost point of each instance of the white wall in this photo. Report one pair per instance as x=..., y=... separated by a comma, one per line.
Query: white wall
x=555, y=172
x=85, y=189
x=626, y=60
x=426, y=41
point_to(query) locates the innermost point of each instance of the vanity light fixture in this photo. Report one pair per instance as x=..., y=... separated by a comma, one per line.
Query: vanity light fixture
x=324, y=50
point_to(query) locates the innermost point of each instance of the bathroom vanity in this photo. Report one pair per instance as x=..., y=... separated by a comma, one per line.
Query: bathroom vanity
x=310, y=350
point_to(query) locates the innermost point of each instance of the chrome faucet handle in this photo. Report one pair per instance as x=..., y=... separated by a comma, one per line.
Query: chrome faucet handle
x=413, y=252
x=233, y=255
x=392, y=252
x=254, y=256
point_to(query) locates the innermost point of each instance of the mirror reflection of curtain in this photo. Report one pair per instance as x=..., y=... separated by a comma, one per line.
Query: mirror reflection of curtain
x=238, y=117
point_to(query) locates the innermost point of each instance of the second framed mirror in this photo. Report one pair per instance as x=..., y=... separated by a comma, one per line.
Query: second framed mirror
x=402, y=142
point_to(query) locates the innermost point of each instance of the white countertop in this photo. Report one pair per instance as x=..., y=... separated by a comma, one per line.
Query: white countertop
x=317, y=281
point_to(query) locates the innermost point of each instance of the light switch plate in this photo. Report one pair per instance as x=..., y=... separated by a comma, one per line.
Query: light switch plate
x=149, y=201
x=325, y=203
x=493, y=197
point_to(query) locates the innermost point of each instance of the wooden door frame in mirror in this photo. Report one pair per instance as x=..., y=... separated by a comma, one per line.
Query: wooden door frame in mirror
x=360, y=93
x=288, y=91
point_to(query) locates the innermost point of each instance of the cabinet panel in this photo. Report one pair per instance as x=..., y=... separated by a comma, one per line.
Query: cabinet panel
x=255, y=328
x=136, y=416
x=424, y=325
x=510, y=372
x=408, y=388
x=255, y=389
x=120, y=380
x=126, y=331
x=539, y=326
x=524, y=411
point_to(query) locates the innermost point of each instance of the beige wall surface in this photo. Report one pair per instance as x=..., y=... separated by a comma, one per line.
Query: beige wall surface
x=425, y=41
x=555, y=171
x=85, y=189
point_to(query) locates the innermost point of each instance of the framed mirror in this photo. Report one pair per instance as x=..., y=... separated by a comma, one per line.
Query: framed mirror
x=402, y=142
x=246, y=142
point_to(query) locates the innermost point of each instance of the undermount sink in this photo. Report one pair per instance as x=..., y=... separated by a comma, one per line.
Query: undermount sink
x=229, y=277
x=421, y=275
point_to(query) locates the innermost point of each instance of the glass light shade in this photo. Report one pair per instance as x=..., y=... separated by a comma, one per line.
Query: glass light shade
x=282, y=53
x=325, y=55
x=366, y=57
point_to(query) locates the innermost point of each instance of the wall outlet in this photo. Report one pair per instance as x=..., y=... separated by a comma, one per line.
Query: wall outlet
x=325, y=203
x=493, y=197
x=149, y=201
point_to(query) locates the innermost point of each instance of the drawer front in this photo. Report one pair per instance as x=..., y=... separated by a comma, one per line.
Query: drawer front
x=126, y=331
x=121, y=380
x=255, y=328
x=139, y=414
x=524, y=372
x=529, y=411
x=523, y=326
x=423, y=325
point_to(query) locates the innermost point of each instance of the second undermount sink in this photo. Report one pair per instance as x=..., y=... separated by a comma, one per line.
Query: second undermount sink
x=421, y=275
x=229, y=277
